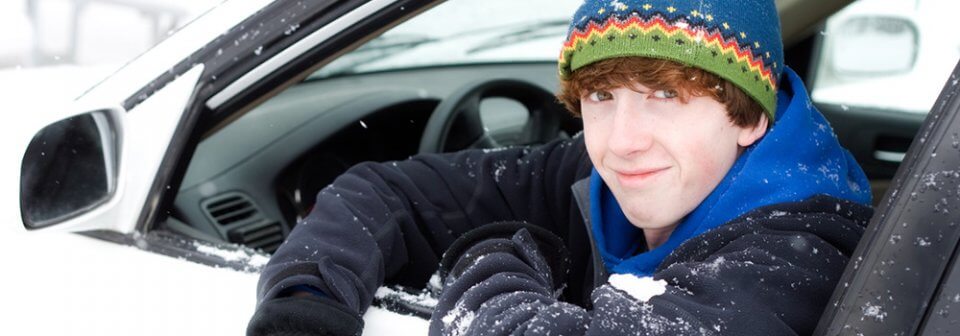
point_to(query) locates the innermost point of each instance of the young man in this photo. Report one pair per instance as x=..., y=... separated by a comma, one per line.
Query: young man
x=702, y=165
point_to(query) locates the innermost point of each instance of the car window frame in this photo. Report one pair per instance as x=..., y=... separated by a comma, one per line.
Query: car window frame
x=875, y=296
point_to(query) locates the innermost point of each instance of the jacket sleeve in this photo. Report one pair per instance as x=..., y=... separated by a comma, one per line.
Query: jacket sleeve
x=393, y=221
x=764, y=274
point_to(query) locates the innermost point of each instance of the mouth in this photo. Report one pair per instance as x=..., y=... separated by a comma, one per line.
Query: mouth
x=636, y=178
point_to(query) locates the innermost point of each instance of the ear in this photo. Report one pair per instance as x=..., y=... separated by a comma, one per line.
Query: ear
x=749, y=135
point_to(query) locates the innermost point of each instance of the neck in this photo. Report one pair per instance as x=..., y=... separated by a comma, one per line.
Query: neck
x=656, y=237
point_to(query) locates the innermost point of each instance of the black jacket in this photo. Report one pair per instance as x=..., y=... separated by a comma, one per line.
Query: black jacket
x=392, y=223
x=768, y=272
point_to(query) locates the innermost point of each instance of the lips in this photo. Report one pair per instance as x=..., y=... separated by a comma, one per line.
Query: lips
x=638, y=177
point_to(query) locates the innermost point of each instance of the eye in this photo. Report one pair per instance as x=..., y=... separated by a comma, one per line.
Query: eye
x=597, y=96
x=665, y=94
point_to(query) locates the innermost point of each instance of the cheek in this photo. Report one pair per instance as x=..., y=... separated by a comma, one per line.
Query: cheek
x=706, y=161
x=594, y=138
x=712, y=169
x=711, y=162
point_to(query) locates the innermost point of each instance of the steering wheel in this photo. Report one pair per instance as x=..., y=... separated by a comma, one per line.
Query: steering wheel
x=455, y=124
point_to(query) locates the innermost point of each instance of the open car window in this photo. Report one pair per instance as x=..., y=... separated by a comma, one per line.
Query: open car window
x=251, y=180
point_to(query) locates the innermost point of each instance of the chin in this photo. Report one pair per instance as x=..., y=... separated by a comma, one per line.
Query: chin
x=651, y=223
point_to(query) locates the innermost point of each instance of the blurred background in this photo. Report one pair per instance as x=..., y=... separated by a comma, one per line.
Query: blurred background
x=87, y=32
x=67, y=45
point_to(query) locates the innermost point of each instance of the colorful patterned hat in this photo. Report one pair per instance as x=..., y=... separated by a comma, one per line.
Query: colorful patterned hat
x=738, y=40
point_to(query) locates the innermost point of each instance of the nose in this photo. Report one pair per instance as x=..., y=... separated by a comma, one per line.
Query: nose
x=632, y=132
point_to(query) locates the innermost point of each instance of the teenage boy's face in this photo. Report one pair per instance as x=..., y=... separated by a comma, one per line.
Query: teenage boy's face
x=658, y=155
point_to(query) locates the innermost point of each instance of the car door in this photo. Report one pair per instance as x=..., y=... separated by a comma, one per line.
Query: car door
x=92, y=173
x=135, y=132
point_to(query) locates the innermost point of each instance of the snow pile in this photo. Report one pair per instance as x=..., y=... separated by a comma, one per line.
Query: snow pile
x=639, y=288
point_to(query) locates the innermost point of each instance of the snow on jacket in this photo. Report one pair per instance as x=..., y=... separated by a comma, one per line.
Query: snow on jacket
x=391, y=223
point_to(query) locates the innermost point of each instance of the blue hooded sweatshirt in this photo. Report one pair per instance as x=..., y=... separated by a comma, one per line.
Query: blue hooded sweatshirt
x=798, y=157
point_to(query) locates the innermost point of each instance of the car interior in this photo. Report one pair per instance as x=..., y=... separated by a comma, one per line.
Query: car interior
x=251, y=179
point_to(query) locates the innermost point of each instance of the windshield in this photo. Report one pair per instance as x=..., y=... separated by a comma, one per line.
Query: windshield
x=494, y=31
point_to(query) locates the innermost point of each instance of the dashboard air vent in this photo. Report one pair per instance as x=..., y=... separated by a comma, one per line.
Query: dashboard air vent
x=230, y=209
x=265, y=235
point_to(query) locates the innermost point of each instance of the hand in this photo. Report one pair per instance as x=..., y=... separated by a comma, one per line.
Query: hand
x=538, y=247
x=487, y=275
x=302, y=316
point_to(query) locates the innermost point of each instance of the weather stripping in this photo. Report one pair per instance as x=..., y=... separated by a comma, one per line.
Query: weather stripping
x=295, y=51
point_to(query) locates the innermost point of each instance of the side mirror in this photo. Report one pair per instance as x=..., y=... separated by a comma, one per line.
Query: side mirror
x=70, y=168
x=859, y=40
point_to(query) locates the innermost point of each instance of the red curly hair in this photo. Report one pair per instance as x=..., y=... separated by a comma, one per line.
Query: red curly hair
x=659, y=74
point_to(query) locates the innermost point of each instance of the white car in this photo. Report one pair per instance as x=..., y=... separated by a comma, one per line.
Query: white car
x=147, y=205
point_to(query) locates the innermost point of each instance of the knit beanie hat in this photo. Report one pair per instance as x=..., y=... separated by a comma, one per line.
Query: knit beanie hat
x=738, y=40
